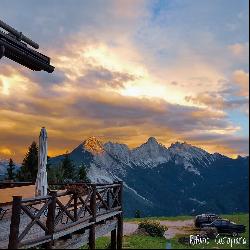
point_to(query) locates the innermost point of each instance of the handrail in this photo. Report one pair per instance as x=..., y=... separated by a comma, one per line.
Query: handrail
x=86, y=209
x=36, y=199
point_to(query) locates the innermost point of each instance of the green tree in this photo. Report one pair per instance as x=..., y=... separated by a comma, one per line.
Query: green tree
x=28, y=170
x=48, y=166
x=68, y=168
x=10, y=170
x=137, y=214
x=82, y=174
x=56, y=174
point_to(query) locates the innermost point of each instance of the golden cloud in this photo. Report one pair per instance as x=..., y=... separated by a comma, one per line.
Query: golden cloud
x=105, y=91
x=239, y=50
x=241, y=78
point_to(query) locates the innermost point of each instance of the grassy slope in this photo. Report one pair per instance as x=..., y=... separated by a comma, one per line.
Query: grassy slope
x=146, y=242
x=134, y=242
x=182, y=217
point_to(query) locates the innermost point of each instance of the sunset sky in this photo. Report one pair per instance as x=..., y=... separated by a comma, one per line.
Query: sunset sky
x=127, y=70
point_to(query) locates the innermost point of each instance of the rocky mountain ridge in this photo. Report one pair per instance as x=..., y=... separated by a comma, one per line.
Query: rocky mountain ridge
x=185, y=176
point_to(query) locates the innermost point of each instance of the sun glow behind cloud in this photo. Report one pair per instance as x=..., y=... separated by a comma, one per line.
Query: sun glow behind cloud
x=5, y=87
x=12, y=84
x=144, y=85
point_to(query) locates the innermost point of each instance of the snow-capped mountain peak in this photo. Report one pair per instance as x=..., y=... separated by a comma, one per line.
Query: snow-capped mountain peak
x=150, y=154
x=118, y=151
x=118, y=158
x=190, y=156
x=93, y=145
x=152, y=141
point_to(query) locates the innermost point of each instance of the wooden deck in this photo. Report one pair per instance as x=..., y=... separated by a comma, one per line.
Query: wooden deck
x=65, y=220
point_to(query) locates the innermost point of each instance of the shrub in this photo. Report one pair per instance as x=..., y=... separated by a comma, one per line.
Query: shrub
x=137, y=214
x=210, y=232
x=153, y=228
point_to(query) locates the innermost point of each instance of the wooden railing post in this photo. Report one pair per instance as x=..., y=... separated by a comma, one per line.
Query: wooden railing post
x=50, y=222
x=115, y=203
x=113, y=239
x=15, y=222
x=92, y=227
x=120, y=219
x=108, y=199
x=75, y=205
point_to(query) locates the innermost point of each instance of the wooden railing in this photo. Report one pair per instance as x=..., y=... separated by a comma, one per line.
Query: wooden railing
x=62, y=213
x=11, y=184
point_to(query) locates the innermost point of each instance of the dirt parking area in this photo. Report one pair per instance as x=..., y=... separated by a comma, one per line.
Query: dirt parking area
x=174, y=227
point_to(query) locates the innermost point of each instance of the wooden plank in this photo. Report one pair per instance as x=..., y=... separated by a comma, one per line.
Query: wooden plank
x=102, y=200
x=105, y=228
x=85, y=205
x=35, y=242
x=107, y=215
x=70, y=230
x=35, y=199
x=83, y=221
x=64, y=208
x=34, y=218
x=78, y=241
x=75, y=243
x=108, y=186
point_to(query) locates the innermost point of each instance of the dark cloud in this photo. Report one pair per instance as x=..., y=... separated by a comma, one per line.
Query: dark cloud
x=43, y=78
x=239, y=145
x=100, y=77
x=114, y=109
x=219, y=100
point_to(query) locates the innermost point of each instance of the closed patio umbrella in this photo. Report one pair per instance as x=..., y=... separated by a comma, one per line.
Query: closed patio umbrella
x=41, y=180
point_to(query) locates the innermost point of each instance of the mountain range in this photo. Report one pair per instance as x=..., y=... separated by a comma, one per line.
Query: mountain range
x=180, y=179
x=3, y=168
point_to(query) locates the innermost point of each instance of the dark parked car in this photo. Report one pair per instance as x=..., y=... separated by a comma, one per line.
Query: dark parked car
x=226, y=226
x=205, y=219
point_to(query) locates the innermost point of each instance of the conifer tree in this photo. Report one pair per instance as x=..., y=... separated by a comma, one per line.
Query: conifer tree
x=68, y=168
x=82, y=174
x=10, y=170
x=28, y=170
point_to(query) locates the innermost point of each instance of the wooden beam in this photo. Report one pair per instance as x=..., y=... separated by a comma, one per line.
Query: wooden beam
x=34, y=242
x=93, y=209
x=75, y=206
x=15, y=222
x=50, y=222
x=120, y=219
x=70, y=230
x=119, y=231
x=113, y=239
